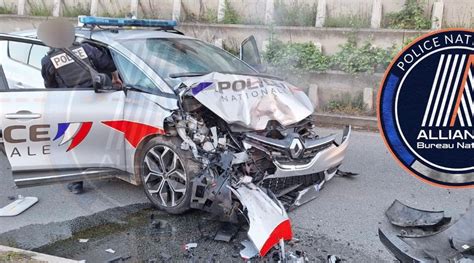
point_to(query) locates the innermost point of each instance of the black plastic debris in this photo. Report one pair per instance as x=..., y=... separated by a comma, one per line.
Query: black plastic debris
x=402, y=215
x=165, y=256
x=452, y=244
x=119, y=259
x=226, y=232
x=466, y=247
x=346, y=174
x=290, y=257
x=160, y=226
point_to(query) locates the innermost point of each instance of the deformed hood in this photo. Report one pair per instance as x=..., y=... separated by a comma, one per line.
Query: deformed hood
x=250, y=101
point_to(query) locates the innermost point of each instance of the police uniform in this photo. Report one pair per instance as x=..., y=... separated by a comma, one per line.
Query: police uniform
x=61, y=71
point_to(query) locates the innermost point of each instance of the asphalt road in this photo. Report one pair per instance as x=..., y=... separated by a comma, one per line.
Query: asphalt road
x=347, y=214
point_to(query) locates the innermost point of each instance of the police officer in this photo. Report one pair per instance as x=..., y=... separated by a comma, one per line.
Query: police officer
x=61, y=71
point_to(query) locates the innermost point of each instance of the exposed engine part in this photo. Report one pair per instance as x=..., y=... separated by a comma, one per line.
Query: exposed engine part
x=240, y=157
x=188, y=143
x=210, y=189
x=208, y=147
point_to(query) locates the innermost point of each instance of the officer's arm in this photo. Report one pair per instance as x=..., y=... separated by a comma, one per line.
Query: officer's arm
x=100, y=59
x=103, y=62
x=48, y=73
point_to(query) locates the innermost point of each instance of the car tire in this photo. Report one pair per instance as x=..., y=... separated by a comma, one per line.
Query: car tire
x=168, y=188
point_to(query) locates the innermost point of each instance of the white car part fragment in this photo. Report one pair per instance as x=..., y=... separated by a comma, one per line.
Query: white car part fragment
x=249, y=251
x=267, y=218
x=18, y=206
x=190, y=246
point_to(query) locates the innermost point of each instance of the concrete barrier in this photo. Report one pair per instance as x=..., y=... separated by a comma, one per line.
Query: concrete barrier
x=324, y=87
x=329, y=38
x=357, y=122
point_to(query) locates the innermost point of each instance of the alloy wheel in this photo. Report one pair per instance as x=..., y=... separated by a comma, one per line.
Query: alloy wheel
x=165, y=176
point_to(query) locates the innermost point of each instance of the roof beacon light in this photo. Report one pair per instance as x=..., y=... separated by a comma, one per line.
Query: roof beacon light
x=122, y=22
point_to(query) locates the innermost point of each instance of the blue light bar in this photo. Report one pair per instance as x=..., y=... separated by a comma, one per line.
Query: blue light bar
x=109, y=21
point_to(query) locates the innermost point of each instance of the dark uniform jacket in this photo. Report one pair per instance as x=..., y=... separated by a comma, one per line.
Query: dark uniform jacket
x=60, y=71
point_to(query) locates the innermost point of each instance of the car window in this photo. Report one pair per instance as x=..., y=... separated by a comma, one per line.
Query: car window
x=37, y=53
x=19, y=51
x=181, y=55
x=131, y=74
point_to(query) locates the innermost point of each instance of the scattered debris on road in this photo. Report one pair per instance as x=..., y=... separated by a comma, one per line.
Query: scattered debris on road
x=118, y=259
x=249, y=251
x=226, y=232
x=402, y=215
x=346, y=174
x=109, y=250
x=160, y=226
x=334, y=259
x=450, y=244
x=190, y=246
x=18, y=206
x=134, y=236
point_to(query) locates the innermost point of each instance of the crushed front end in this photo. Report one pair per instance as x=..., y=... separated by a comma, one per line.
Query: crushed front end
x=251, y=172
x=296, y=161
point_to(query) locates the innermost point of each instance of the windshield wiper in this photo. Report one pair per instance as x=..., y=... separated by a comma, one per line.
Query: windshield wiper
x=198, y=74
x=187, y=74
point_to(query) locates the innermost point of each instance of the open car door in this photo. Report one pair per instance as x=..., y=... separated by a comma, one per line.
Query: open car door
x=57, y=135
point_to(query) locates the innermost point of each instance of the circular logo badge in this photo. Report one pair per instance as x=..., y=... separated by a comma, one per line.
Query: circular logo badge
x=426, y=107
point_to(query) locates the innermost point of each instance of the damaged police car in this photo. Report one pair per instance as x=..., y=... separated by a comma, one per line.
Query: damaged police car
x=196, y=126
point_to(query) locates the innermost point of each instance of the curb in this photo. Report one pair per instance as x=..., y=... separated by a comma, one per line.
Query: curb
x=30, y=256
x=37, y=235
x=357, y=122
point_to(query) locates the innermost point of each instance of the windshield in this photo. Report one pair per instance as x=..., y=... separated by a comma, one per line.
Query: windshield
x=175, y=56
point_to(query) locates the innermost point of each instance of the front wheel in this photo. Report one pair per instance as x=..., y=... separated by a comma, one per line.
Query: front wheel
x=166, y=172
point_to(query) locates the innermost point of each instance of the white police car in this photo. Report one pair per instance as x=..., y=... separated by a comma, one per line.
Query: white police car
x=195, y=125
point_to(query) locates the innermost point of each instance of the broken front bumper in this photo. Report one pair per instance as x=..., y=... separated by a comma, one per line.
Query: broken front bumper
x=268, y=222
x=451, y=244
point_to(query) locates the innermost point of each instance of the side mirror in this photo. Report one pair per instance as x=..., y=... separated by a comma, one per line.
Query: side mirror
x=102, y=83
x=249, y=54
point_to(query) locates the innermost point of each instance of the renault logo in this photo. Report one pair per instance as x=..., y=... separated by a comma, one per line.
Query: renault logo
x=296, y=148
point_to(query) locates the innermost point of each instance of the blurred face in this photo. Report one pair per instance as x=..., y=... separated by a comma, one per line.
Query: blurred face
x=57, y=33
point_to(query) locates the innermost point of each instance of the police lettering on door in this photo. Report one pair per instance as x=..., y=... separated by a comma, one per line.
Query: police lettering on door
x=20, y=134
x=63, y=59
x=36, y=139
